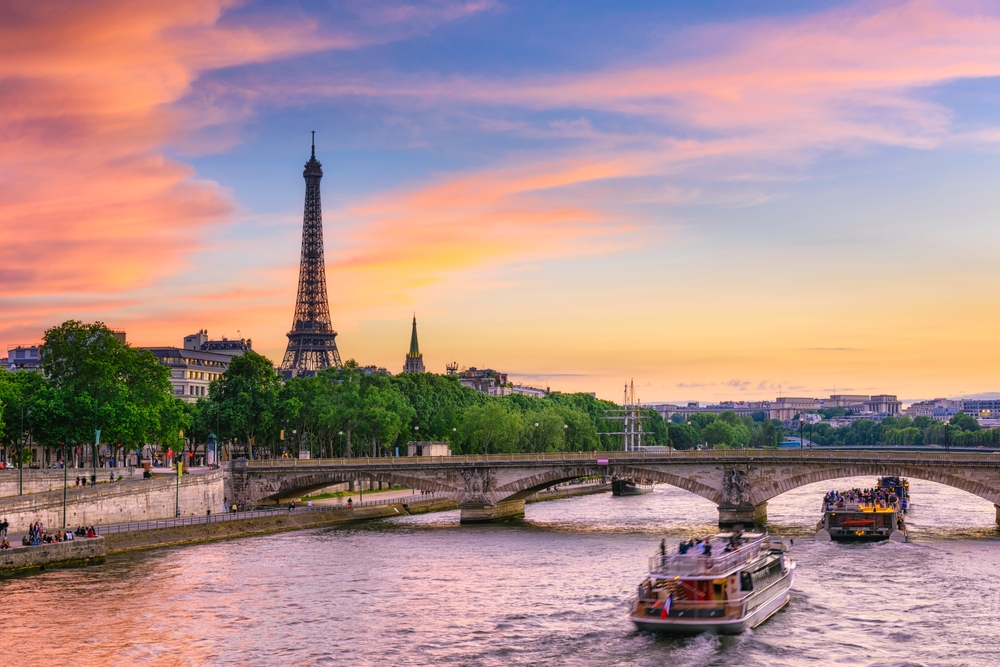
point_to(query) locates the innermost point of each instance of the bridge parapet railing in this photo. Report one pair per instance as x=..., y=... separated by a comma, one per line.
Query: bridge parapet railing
x=620, y=457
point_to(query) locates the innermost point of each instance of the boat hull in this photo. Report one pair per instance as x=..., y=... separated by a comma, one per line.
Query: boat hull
x=824, y=535
x=626, y=487
x=772, y=604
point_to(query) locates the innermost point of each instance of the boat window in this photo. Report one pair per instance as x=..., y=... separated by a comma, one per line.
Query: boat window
x=746, y=581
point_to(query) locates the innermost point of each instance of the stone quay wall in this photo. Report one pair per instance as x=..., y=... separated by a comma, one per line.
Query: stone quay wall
x=132, y=500
x=39, y=481
x=139, y=540
x=81, y=551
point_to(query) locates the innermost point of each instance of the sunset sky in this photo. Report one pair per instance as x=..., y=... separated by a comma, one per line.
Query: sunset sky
x=721, y=200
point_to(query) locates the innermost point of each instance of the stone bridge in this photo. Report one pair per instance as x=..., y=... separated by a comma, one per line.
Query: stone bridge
x=740, y=482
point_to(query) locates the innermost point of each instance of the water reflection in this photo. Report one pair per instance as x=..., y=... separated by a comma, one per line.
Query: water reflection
x=549, y=591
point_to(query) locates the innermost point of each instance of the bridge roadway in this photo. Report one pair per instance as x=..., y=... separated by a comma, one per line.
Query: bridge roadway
x=740, y=482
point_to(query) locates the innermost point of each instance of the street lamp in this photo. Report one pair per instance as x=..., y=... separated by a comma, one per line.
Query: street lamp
x=536, y=436
x=213, y=442
x=340, y=433
x=65, y=481
x=802, y=423
x=20, y=457
x=180, y=467
x=565, y=431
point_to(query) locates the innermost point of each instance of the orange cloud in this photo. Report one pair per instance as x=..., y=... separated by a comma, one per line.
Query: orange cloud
x=87, y=202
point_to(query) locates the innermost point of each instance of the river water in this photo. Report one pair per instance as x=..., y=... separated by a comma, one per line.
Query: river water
x=549, y=591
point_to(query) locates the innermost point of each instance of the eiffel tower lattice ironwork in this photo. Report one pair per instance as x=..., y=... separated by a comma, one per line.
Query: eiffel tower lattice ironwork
x=312, y=344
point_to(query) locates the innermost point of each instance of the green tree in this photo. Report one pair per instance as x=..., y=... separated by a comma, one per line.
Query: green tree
x=385, y=416
x=543, y=431
x=247, y=399
x=701, y=419
x=682, y=436
x=490, y=429
x=964, y=422
x=769, y=436
x=103, y=383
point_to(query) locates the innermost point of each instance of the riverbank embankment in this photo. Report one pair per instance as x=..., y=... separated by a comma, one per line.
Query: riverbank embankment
x=25, y=560
x=139, y=540
x=131, y=500
x=88, y=551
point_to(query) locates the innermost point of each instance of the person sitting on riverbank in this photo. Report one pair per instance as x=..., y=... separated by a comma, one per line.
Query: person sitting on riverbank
x=5, y=544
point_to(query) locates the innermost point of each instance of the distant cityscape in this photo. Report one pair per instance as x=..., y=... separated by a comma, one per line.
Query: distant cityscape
x=843, y=409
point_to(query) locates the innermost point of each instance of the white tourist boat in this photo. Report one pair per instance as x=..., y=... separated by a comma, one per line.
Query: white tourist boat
x=737, y=583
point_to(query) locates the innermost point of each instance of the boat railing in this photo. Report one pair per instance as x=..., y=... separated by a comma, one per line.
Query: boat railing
x=860, y=507
x=643, y=606
x=700, y=564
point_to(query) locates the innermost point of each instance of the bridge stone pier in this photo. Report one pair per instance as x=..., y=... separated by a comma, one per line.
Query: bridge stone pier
x=739, y=482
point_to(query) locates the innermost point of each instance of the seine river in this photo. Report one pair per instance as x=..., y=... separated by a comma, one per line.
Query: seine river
x=549, y=591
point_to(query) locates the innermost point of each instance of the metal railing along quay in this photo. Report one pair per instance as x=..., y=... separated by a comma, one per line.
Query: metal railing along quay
x=252, y=514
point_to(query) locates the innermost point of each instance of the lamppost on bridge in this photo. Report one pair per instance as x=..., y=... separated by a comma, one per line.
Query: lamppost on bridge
x=536, y=436
x=802, y=423
x=566, y=433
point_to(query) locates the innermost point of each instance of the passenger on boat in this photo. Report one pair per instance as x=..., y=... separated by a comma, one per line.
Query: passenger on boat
x=875, y=497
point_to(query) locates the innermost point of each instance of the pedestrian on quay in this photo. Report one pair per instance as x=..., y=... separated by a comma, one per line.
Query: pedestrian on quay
x=350, y=505
x=3, y=527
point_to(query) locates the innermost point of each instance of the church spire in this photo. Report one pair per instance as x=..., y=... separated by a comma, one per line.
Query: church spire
x=414, y=360
x=414, y=346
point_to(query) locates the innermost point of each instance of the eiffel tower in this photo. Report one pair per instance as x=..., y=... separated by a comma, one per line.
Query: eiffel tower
x=312, y=344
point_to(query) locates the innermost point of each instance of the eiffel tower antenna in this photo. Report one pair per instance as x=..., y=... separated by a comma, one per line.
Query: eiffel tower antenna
x=312, y=344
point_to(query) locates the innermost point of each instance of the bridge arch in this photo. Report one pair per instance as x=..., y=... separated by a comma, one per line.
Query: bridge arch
x=529, y=485
x=938, y=474
x=293, y=485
